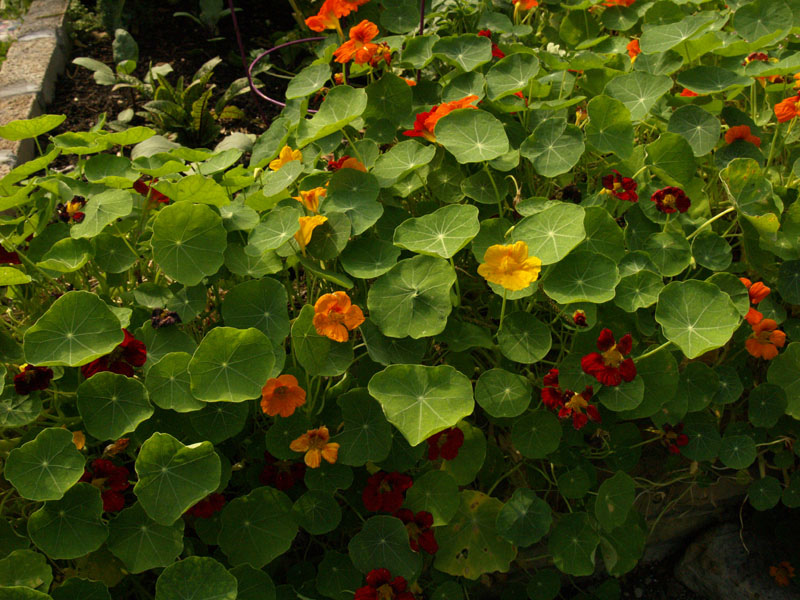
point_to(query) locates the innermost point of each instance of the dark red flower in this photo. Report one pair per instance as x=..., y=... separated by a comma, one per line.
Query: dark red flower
x=671, y=199
x=446, y=444
x=281, y=474
x=130, y=353
x=496, y=52
x=71, y=211
x=8, y=258
x=569, y=403
x=609, y=366
x=754, y=56
x=206, y=508
x=420, y=532
x=111, y=480
x=579, y=318
x=147, y=190
x=161, y=317
x=623, y=188
x=32, y=378
x=386, y=491
x=381, y=586
x=674, y=438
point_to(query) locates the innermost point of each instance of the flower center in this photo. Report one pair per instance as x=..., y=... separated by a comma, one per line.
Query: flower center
x=617, y=186
x=281, y=390
x=385, y=487
x=385, y=592
x=669, y=201
x=612, y=357
x=577, y=403
x=316, y=442
x=762, y=337
x=413, y=530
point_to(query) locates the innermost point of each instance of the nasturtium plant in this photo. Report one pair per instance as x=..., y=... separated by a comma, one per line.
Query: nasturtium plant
x=490, y=279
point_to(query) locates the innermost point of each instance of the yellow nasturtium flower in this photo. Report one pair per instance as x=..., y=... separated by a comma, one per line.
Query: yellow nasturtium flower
x=510, y=266
x=286, y=155
x=311, y=198
x=307, y=227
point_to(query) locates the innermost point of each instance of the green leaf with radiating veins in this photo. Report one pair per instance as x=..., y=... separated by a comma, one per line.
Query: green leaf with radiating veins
x=231, y=365
x=466, y=51
x=318, y=354
x=355, y=194
x=141, y=543
x=472, y=135
x=188, y=241
x=435, y=492
x=552, y=233
x=366, y=435
x=67, y=255
x=196, y=578
x=26, y=569
x=572, y=544
x=45, y=467
x=511, y=74
x=30, y=128
x=660, y=38
x=259, y=303
x=112, y=405
x=173, y=477
x=614, y=500
x=554, y=147
x=308, y=81
x=169, y=385
x=525, y=518
x=757, y=19
x=609, y=128
x=420, y=400
x=503, y=394
x=696, y=316
x=699, y=127
x=280, y=224
x=441, y=233
x=582, y=277
x=342, y=105
x=383, y=543
x=101, y=210
x=638, y=91
x=72, y=526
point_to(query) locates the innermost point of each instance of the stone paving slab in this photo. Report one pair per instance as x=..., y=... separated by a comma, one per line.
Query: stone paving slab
x=28, y=75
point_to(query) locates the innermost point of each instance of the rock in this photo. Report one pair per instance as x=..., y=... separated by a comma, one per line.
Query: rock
x=718, y=566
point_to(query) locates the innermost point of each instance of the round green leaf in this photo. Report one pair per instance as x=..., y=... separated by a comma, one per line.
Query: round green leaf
x=259, y=303
x=283, y=432
x=328, y=477
x=766, y=404
x=791, y=493
x=435, y=492
x=389, y=351
x=707, y=79
x=141, y=543
x=12, y=276
x=101, y=210
x=670, y=252
x=524, y=338
x=76, y=329
x=219, y=421
x=254, y=584
x=737, y=451
x=582, y=277
x=317, y=512
x=46, y=467
x=355, y=194
x=784, y=371
x=466, y=51
x=638, y=91
x=112, y=405
x=420, y=400
x=471, y=456
x=711, y=251
x=472, y=135
x=699, y=383
x=511, y=74
x=554, y=147
x=168, y=383
x=23, y=593
x=536, y=434
x=383, y=543
x=552, y=233
x=18, y=410
x=574, y=484
x=70, y=527
x=463, y=85
x=85, y=589
x=188, y=241
x=337, y=578
x=402, y=159
x=25, y=568
x=572, y=544
x=112, y=254
x=342, y=105
x=231, y=365
x=609, y=128
x=308, y=81
x=196, y=578
x=545, y=583
x=366, y=435
x=614, y=500
x=257, y=528
x=503, y=394
x=525, y=518
x=173, y=477
x=366, y=258
x=441, y=233
x=696, y=316
x=704, y=439
x=331, y=237
x=318, y=354
x=764, y=493
x=756, y=19
x=660, y=38
x=412, y=298
x=66, y=256
x=470, y=545
x=246, y=265
x=789, y=281
x=278, y=227
x=639, y=290
x=30, y=128
x=697, y=126
x=672, y=159
x=622, y=397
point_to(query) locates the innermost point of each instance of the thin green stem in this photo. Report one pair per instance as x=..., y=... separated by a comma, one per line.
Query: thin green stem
x=500, y=208
x=728, y=210
x=653, y=351
x=502, y=310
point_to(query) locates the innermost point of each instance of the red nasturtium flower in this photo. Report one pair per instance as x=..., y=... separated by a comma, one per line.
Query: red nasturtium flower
x=674, y=438
x=633, y=49
x=386, y=491
x=765, y=339
x=281, y=474
x=381, y=586
x=315, y=444
x=579, y=318
x=425, y=122
x=32, y=378
x=446, y=444
x=146, y=189
x=782, y=573
x=334, y=315
x=359, y=47
x=8, y=258
x=741, y=132
x=610, y=3
x=496, y=52
x=282, y=396
x=111, y=480
x=420, y=534
x=755, y=56
x=130, y=353
x=609, y=366
x=687, y=93
x=524, y=4
x=206, y=507
x=347, y=162
x=569, y=403
x=787, y=109
x=71, y=211
x=623, y=188
x=671, y=199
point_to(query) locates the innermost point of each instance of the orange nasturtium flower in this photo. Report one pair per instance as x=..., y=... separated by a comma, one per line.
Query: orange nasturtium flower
x=281, y=396
x=525, y=4
x=510, y=266
x=307, y=227
x=787, y=109
x=757, y=291
x=741, y=132
x=359, y=46
x=425, y=122
x=286, y=155
x=326, y=18
x=610, y=3
x=315, y=444
x=334, y=315
x=633, y=49
x=310, y=199
x=765, y=340
x=79, y=439
x=782, y=573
